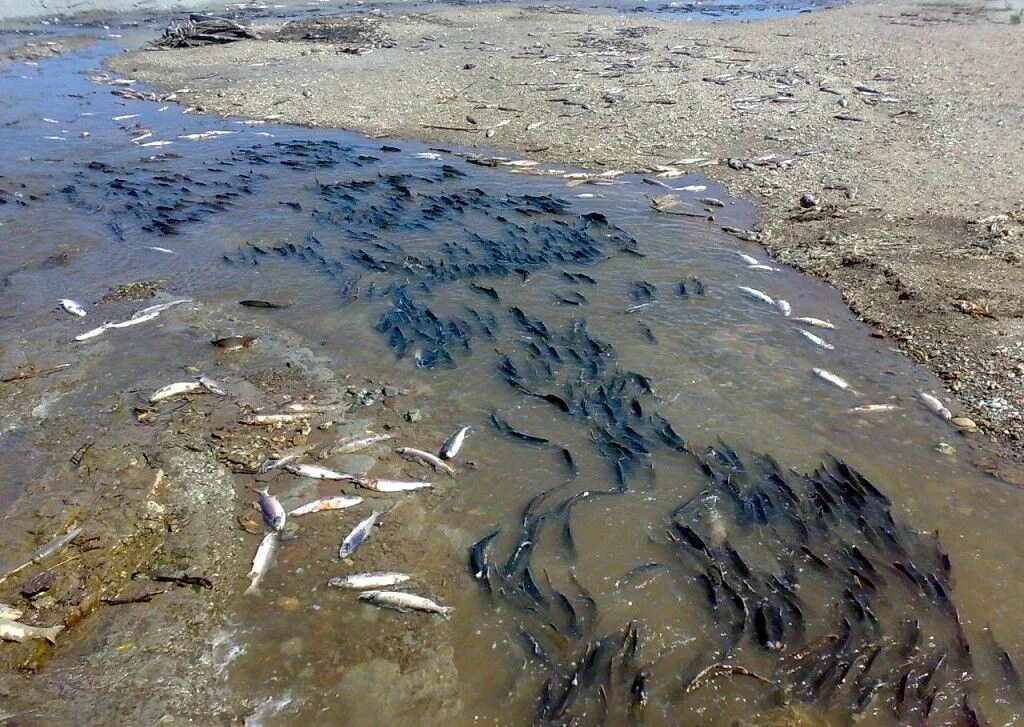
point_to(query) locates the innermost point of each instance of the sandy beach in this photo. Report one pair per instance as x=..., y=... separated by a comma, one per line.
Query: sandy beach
x=881, y=141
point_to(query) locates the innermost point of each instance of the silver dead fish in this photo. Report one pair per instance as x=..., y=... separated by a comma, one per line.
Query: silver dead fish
x=425, y=458
x=358, y=535
x=454, y=443
x=404, y=602
x=935, y=406
x=273, y=512
x=10, y=612
x=212, y=385
x=177, y=389
x=871, y=408
x=748, y=259
x=757, y=295
x=339, y=502
x=317, y=473
x=759, y=266
x=815, y=339
x=833, y=379
x=273, y=418
x=784, y=307
x=14, y=631
x=374, y=579
x=261, y=563
x=380, y=485
x=816, y=322
x=72, y=307
x=355, y=443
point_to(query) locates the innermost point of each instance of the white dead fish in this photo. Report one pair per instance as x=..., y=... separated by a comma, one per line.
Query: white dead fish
x=757, y=295
x=160, y=307
x=815, y=339
x=373, y=579
x=162, y=249
x=72, y=307
x=872, y=408
x=261, y=562
x=176, y=389
x=10, y=613
x=355, y=443
x=380, y=485
x=256, y=419
x=317, y=473
x=273, y=512
x=212, y=385
x=833, y=379
x=155, y=143
x=404, y=602
x=124, y=117
x=91, y=333
x=784, y=307
x=816, y=322
x=14, y=631
x=134, y=320
x=204, y=135
x=454, y=443
x=358, y=535
x=340, y=502
x=425, y=458
x=766, y=268
x=935, y=406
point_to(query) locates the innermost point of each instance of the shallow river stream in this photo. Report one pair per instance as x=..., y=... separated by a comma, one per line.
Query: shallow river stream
x=721, y=532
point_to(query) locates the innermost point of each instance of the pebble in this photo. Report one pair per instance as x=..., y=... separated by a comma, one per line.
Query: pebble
x=963, y=423
x=413, y=415
x=946, y=449
x=807, y=201
x=38, y=584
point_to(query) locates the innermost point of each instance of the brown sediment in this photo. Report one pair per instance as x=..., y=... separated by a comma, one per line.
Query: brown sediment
x=899, y=121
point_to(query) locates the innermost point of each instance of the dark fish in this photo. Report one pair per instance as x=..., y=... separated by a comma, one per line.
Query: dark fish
x=490, y=292
x=235, y=343
x=478, y=556
x=261, y=304
x=534, y=647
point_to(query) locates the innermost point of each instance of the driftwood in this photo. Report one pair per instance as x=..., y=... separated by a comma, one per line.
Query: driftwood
x=199, y=30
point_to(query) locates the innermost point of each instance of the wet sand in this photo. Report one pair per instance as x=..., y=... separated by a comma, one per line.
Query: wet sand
x=900, y=121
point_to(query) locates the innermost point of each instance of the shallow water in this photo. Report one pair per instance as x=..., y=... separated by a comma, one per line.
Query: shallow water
x=345, y=229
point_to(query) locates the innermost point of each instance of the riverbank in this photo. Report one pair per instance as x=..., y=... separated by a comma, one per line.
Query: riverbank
x=881, y=141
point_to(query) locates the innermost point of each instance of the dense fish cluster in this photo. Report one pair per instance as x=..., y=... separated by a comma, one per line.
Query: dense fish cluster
x=812, y=590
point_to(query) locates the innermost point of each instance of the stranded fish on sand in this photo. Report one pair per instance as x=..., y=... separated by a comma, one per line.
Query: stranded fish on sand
x=10, y=613
x=425, y=458
x=261, y=563
x=748, y=259
x=177, y=389
x=374, y=579
x=14, y=631
x=784, y=307
x=833, y=379
x=935, y=406
x=379, y=485
x=317, y=473
x=273, y=418
x=340, y=502
x=872, y=408
x=816, y=322
x=358, y=535
x=453, y=444
x=72, y=307
x=404, y=602
x=815, y=339
x=757, y=295
x=235, y=343
x=355, y=443
x=273, y=512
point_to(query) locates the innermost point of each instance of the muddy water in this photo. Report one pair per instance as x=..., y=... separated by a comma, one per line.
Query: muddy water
x=345, y=230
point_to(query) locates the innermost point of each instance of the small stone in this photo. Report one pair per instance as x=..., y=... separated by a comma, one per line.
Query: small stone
x=807, y=201
x=307, y=93
x=390, y=391
x=964, y=423
x=38, y=584
x=413, y=415
x=288, y=603
x=469, y=66
x=946, y=449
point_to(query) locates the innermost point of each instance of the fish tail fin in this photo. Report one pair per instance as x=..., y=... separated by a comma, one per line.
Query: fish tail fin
x=51, y=633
